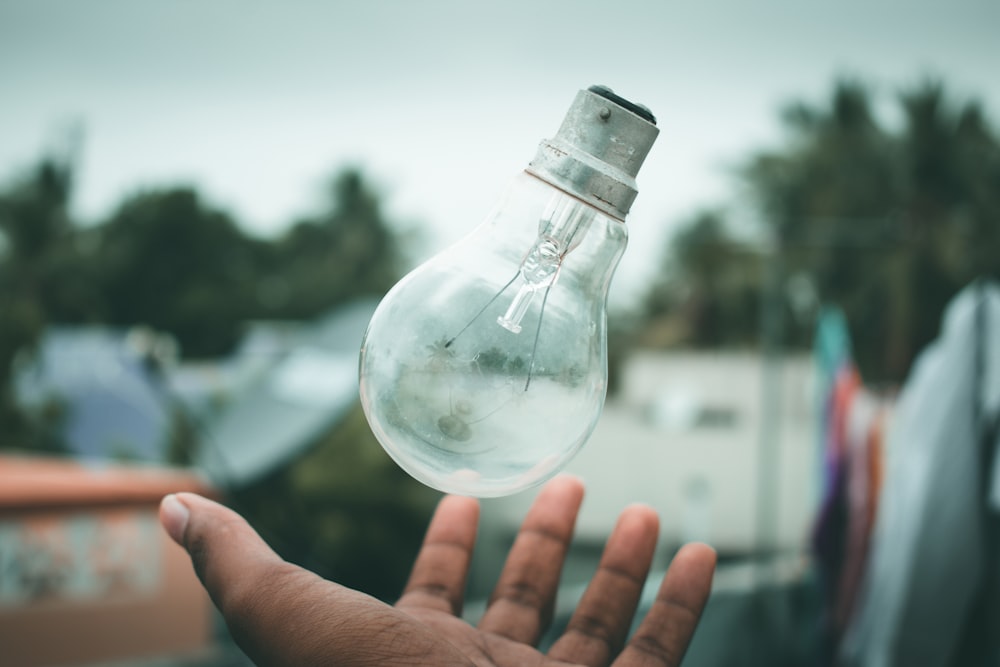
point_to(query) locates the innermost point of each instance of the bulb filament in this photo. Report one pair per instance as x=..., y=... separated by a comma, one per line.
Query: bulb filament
x=539, y=270
x=561, y=229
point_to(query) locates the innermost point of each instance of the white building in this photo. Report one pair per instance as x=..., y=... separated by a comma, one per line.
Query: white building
x=696, y=435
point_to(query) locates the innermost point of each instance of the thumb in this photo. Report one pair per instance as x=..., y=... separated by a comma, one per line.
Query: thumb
x=281, y=614
x=248, y=582
x=225, y=551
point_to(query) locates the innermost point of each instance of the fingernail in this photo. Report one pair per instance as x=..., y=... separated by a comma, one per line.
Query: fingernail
x=174, y=516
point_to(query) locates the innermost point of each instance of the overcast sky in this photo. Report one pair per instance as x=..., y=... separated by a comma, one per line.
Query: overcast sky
x=442, y=102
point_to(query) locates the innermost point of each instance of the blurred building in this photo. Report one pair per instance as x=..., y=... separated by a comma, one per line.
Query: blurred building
x=296, y=384
x=87, y=575
x=205, y=387
x=100, y=392
x=704, y=438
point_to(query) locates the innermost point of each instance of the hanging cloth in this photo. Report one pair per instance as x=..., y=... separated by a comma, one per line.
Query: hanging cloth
x=863, y=433
x=928, y=558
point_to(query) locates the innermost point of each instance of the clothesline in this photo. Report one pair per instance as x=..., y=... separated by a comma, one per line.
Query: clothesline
x=900, y=539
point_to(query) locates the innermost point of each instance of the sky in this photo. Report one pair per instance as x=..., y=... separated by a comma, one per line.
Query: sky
x=442, y=102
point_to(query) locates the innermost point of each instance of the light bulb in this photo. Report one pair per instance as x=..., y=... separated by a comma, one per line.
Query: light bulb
x=484, y=370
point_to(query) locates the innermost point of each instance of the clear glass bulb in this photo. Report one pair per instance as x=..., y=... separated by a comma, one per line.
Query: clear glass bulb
x=484, y=370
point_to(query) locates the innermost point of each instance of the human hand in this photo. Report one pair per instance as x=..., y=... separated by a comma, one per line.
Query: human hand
x=281, y=614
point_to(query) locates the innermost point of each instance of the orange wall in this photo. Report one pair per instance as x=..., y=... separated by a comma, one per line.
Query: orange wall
x=91, y=577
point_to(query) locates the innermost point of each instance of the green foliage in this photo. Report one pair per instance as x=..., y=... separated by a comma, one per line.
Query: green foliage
x=35, y=249
x=33, y=213
x=346, y=250
x=182, y=442
x=168, y=259
x=710, y=296
x=171, y=262
x=345, y=510
x=887, y=222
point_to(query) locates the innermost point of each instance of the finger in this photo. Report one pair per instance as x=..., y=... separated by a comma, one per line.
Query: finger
x=599, y=625
x=439, y=573
x=664, y=635
x=522, y=602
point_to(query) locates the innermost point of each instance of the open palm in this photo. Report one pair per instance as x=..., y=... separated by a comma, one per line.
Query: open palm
x=280, y=614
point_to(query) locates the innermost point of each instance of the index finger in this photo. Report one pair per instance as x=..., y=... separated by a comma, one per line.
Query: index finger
x=437, y=580
x=664, y=635
x=524, y=597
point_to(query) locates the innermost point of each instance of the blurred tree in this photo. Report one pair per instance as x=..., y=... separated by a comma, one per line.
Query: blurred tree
x=37, y=246
x=169, y=261
x=827, y=200
x=708, y=291
x=886, y=222
x=346, y=250
x=345, y=510
x=624, y=327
